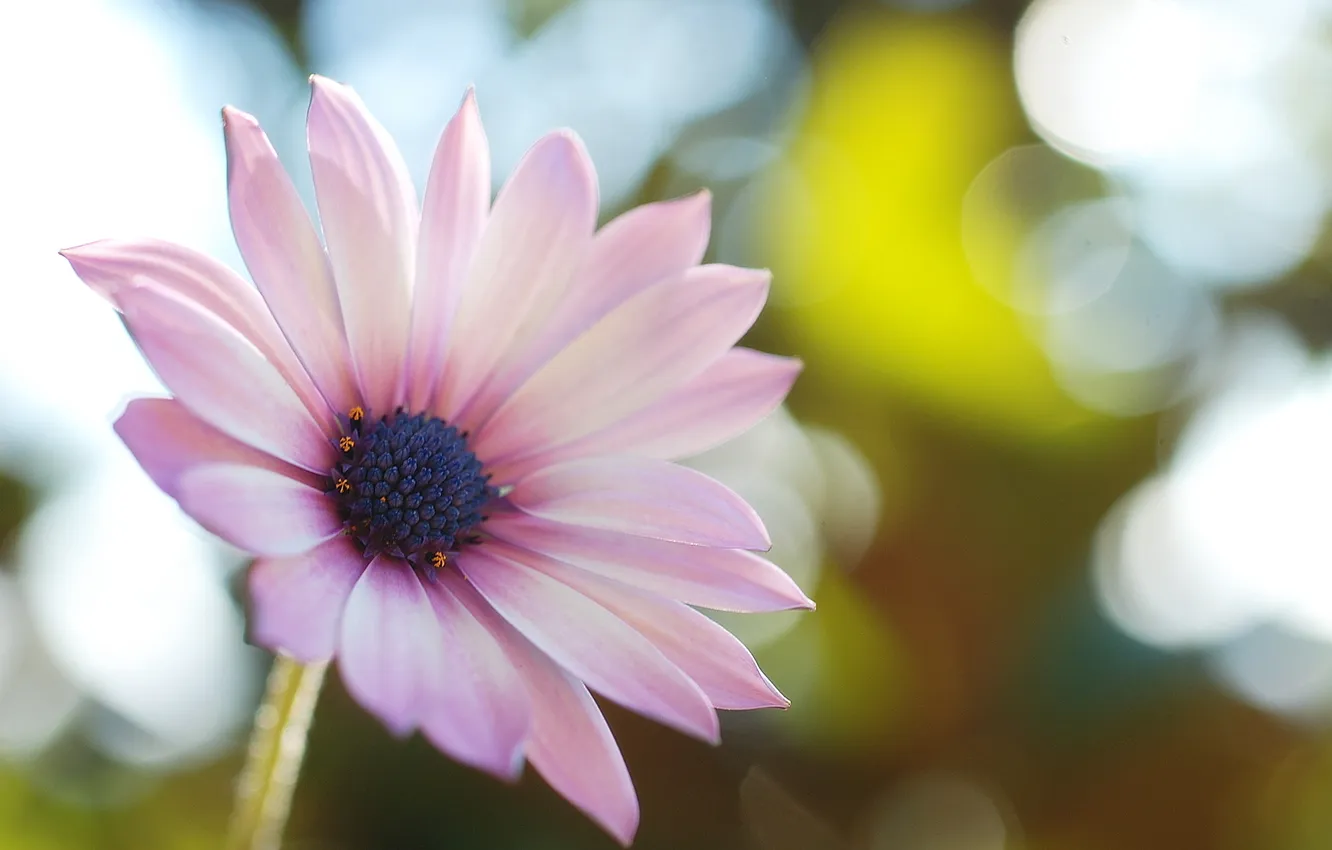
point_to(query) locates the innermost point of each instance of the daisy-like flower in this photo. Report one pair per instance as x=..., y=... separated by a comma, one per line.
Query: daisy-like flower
x=446, y=432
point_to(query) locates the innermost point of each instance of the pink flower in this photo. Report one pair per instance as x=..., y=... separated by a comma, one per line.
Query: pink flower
x=446, y=433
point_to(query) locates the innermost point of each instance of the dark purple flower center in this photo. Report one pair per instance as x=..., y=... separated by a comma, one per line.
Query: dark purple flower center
x=407, y=485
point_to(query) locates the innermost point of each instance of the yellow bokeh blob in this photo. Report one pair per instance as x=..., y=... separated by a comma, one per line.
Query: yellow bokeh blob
x=861, y=223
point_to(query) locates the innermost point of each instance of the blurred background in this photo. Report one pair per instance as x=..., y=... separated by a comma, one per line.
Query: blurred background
x=1058, y=472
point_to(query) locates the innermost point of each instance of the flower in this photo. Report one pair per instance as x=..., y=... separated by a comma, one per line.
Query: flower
x=447, y=435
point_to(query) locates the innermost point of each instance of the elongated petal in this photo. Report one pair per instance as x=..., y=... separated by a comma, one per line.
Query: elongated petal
x=113, y=266
x=574, y=750
x=389, y=647
x=652, y=344
x=725, y=401
x=705, y=651
x=285, y=258
x=258, y=510
x=369, y=211
x=636, y=249
x=477, y=709
x=168, y=440
x=587, y=640
x=644, y=497
x=570, y=743
x=457, y=202
x=222, y=378
x=722, y=579
x=538, y=232
x=296, y=602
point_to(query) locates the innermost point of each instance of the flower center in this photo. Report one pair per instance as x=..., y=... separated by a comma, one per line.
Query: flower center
x=407, y=485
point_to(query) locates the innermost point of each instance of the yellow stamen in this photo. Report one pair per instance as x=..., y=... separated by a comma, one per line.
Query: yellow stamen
x=356, y=414
x=343, y=485
x=346, y=443
x=438, y=560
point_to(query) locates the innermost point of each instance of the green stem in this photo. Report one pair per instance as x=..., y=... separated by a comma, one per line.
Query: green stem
x=273, y=762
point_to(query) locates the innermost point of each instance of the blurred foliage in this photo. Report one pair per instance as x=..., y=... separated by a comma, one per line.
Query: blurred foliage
x=16, y=502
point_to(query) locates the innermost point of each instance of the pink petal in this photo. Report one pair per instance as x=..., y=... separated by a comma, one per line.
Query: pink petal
x=652, y=344
x=705, y=651
x=587, y=640
x=726, y=400
x=574, y=750
x=296, y=602
x=221, y=378
x=286, y=259
x=644, y=245
x=258, y=510
x=457, y=201
x=539, y=230
x=168, y=440
x=390, y=644
x=570, y=743
x=369, y=212
x=112, y=267
x=478, y=709
x=644, y=497
x=724, y=579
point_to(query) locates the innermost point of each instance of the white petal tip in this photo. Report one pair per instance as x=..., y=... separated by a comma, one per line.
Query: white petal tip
x=622, y=830
x=563, y=142
x=90, y=262
x=514, y=770
x=707, y=731
x=231, y=116
x=757, y=538
x=779, y=699
x=507, y=771
x=77, y=253
x=396, y=725
x=702, y=198
x=400, y=729
x=712, y=734
x=468, y=112
x=323, y=87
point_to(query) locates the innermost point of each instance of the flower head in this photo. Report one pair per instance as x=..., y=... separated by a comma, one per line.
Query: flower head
x=446, y=433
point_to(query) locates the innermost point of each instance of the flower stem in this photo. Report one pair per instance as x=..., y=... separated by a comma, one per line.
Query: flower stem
x=277, y=745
